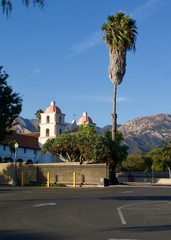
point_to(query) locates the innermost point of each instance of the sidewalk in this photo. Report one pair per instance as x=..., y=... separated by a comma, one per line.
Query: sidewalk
x=145, y=184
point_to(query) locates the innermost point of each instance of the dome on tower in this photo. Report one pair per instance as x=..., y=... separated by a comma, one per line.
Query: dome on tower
x=52, y=108
x=85, y=119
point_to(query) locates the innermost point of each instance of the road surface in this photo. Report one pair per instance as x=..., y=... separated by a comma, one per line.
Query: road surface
x=110, y=213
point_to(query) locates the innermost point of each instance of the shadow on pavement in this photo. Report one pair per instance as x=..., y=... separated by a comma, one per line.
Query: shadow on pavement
x=137, y=198
x=22, y=234
x=156, y=228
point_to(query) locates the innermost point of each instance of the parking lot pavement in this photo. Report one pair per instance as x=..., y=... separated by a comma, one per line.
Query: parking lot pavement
x=130, y=212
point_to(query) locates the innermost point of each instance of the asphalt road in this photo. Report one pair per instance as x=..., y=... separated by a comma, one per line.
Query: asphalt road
x=120, y=212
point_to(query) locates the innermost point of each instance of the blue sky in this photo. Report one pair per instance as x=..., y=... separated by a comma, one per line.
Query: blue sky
x=58, y=54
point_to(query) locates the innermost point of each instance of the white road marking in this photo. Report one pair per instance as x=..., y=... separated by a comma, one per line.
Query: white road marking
x=44, y=204
x=119, y=209
x=121, y=215
x=127, y=192
x=6, y=194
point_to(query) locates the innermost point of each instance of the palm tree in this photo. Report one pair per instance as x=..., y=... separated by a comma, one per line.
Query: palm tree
x=120, y=36
x=38, y=116
x=7, y=4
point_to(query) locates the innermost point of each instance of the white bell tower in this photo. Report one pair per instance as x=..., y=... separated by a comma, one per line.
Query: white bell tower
x=52, y=123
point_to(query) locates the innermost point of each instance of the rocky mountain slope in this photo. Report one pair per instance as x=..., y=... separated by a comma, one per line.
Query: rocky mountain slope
x=145, y=133
x=141, y=134
x=22, y=125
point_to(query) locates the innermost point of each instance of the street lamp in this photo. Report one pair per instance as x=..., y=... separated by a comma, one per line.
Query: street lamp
x=15, y=159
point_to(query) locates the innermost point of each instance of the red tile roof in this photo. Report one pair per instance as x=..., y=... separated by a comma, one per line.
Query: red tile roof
x=29, y=140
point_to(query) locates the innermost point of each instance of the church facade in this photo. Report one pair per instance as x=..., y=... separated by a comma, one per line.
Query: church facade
x=52, y=124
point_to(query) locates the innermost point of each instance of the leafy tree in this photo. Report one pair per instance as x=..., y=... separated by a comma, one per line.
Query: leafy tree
x=93, y=148
x=86, y=128
x=120, y=36
x=161, y=158
x=139, y=162
x=11, y=105
x=148, y=161
x=7, y=5
x=167, y=157
x=65, y=146
x=78, y=147
x=133, y=163
x=156, y=156
x=47, y=147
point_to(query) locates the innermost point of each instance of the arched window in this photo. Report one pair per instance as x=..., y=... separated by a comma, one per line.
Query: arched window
x=47, y=119
x=20, y=160
x=29, y=161
x=47, y=132
x=7, y=159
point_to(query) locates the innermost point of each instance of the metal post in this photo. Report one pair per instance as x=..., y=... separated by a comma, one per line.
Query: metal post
x=74, y=179
x=152, y=173
x=48, y=179
x=22, y=179
x=15, y=159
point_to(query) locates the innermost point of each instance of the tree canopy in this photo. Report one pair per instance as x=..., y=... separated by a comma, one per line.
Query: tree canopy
x=78, y=147
x=120, y=34
x=161, y=157
x=158, y=158
x=136, y=163
x=10, y=107
x=86, y=146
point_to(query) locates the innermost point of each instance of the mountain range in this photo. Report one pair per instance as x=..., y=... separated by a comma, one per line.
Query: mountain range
x=141, y=134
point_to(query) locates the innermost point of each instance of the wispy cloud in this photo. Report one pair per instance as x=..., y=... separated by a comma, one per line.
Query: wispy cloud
x=95, y=98
x=147, y=9
x=140, y=13
x=85, y=45
x=123, y=99
x=35, y=71
x=87, y=98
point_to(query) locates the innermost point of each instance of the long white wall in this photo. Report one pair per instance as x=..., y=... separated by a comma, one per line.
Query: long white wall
x=21, y=153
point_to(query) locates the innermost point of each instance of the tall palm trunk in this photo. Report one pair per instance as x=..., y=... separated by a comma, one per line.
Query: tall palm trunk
x=114, y=114
x=120, y=36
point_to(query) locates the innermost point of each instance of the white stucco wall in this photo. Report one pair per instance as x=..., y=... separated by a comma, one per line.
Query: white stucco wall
x=24, y=153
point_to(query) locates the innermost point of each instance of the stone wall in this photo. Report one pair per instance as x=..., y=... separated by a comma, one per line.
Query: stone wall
x=6, y=173
x=59, y=173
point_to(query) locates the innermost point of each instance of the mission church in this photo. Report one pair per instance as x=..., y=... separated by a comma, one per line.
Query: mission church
x=28, y=147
